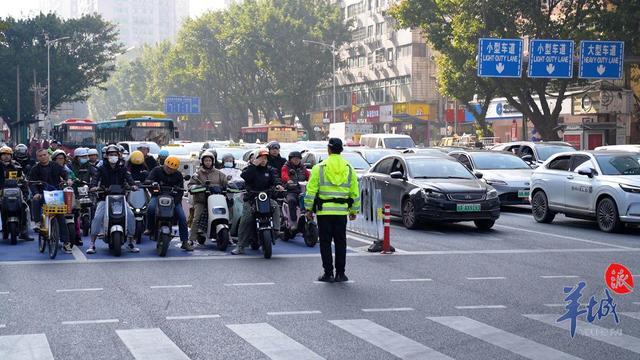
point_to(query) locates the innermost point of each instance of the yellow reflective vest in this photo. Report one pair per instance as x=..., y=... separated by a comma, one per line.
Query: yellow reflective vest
x=333, y=179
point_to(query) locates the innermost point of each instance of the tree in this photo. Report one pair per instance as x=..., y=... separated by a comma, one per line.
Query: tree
x=77, y=64
x=453, y=28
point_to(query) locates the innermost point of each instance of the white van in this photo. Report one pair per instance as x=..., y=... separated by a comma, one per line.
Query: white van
x=387, y=141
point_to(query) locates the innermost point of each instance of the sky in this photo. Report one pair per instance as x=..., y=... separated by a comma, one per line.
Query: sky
x=24, y=8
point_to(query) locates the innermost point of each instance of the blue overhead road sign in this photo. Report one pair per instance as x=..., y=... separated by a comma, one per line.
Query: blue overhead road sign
x=601, y=59
x=550, y=59
x=182, y=105
x=499, y=57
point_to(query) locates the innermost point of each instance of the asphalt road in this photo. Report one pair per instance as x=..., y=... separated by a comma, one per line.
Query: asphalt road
x=449, y=292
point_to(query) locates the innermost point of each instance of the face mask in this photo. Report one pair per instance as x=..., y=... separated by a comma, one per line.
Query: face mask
x=228, y=164
x=113, y=159
x=83, y=161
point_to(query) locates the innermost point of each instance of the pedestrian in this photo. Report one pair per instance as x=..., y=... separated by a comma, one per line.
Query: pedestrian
x=333, y=194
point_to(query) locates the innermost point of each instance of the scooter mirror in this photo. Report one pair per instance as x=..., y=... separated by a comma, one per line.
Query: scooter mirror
x=187, y=177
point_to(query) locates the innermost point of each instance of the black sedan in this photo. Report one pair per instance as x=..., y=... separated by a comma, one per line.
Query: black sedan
x=422, y=188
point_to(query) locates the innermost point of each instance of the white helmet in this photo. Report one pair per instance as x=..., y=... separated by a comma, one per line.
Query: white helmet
x=92, y=152
x=80, y=152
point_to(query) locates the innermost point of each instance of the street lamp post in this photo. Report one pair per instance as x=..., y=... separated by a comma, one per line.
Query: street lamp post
x=49, y=43
x=331, y=46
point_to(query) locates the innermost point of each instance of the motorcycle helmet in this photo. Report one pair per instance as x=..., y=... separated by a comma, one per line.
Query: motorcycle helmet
x=6, y=150
x=92, y=152
x=273, y=145
x=163, y=153
x=209, y=154
x=80, y=152
x=261, y=152
x=136, y=158
x=228, y=158
x=110, y=149
x=21, y=151
x=295, y=154
x=172, y=162
x=57, y=153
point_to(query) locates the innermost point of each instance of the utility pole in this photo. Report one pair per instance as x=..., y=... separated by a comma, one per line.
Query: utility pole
x=38, y=92
x=17, y=125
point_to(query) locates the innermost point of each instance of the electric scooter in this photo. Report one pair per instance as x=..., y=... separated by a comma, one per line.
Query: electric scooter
x=216, y=217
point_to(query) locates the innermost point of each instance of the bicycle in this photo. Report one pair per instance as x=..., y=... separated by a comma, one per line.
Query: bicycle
x=49, y=231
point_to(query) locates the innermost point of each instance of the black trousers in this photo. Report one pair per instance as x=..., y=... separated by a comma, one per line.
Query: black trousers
x=333, y=228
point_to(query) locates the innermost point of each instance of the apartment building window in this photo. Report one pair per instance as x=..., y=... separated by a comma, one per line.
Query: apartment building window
x=379, y=28
x=369, y=31
x=355, y=9
x=379, y=55
x=359, y=34
x=403, y=51
x=390, y=54
x=370, y=58
x=420, y=50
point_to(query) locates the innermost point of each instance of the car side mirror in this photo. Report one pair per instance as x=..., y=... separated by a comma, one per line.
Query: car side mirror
x=478, y=174
x=396, y=175
x=588, y=172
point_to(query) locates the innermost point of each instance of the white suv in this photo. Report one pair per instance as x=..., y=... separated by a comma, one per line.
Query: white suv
x=600, y=185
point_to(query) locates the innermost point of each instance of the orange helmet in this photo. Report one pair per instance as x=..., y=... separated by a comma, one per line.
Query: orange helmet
x=262, y=152
x=172, y=162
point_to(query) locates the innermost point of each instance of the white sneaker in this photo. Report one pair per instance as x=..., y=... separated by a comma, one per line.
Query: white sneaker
x=133, y=248
x=91, y=250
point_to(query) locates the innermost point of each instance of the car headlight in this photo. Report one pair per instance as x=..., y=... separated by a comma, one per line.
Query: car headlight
x=630, y=188
x=495, y=182
x=432, y=194
x=492, y=194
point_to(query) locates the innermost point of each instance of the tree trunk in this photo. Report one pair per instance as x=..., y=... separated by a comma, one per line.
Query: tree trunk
x=305, y=120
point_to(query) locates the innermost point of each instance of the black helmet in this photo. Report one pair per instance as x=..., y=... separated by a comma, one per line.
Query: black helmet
x=295, y=154
x=273, y=145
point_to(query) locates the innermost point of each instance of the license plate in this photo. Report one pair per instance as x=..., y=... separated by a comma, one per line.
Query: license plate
x=523, y=193
x=467, y=207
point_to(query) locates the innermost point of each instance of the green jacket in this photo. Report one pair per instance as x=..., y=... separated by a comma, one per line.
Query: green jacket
x=333, y=179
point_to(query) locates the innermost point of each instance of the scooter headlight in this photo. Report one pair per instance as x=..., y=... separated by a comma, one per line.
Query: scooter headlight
x=262, y=196
x=219, y=211
x=83, y=190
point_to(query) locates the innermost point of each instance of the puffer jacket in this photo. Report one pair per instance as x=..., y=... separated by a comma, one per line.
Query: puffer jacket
x=202, y=175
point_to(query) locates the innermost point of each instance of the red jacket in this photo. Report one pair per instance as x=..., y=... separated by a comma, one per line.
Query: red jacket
x=284, y=174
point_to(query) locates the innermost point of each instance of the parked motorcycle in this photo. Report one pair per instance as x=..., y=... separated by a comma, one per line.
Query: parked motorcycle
x=12, y=211
x=216, y=218
x=139, y=201
x=115, y=218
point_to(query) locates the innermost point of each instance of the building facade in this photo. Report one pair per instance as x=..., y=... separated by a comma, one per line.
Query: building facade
x=139, y=21
x=387, y=76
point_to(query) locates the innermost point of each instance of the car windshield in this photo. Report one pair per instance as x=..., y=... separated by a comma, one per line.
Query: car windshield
x=619, y=164
x=153, y=147
x=373, y=155
x=178, y=150
x=421, y=168
x=356, y=160
x=237, y=153
x=497, y=161
x=399, y=143
x=545, y=151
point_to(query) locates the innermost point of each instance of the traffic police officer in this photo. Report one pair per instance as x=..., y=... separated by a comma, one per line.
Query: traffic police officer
x=332, y=193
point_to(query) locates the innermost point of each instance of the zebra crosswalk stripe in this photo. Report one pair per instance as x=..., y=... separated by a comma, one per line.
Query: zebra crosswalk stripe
x=506, y=340
x=25, y=347
x=272, y=342
x=150, y=344
x=592, y=331
x=388, y=340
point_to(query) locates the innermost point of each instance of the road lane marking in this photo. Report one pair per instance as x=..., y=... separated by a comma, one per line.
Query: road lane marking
x=473, y=307
x=32, y=347
x=303, y=312
x=564, y=237
x=190, y=317
x=487, y=278
x=636, y=302
x=273, y=343
x=250, y=284
x=2, y=326
x=78, y=254
x=78, y=290
x=592, y=331
x=559, y=276
x=410, y=280
x=506, y=340
x=633, y=315
x=4, y=293
x=388, y=340
x=370, y=242
x=82, y=322
x=150, y=344
x=560, y=305
x=388, y=309
x=170, y=286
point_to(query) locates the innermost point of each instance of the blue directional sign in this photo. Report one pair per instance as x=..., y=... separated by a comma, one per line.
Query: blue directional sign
x=182, y=105
x=500, y=57
x=550, y=59
x=601, y=59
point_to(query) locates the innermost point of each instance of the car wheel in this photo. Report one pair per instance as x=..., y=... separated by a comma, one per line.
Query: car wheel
x=409, y=214
x=607, y=216
x=540, y=208
x=484, y=224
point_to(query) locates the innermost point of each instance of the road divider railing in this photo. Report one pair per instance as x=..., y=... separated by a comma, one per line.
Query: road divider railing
x=369, y=222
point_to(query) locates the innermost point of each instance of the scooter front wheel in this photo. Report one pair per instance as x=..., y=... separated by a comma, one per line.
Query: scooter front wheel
x=116, y=242
x=222, y=240
x=162, y=247
x=267, y=236
x=13, y=233
x=139, y=231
